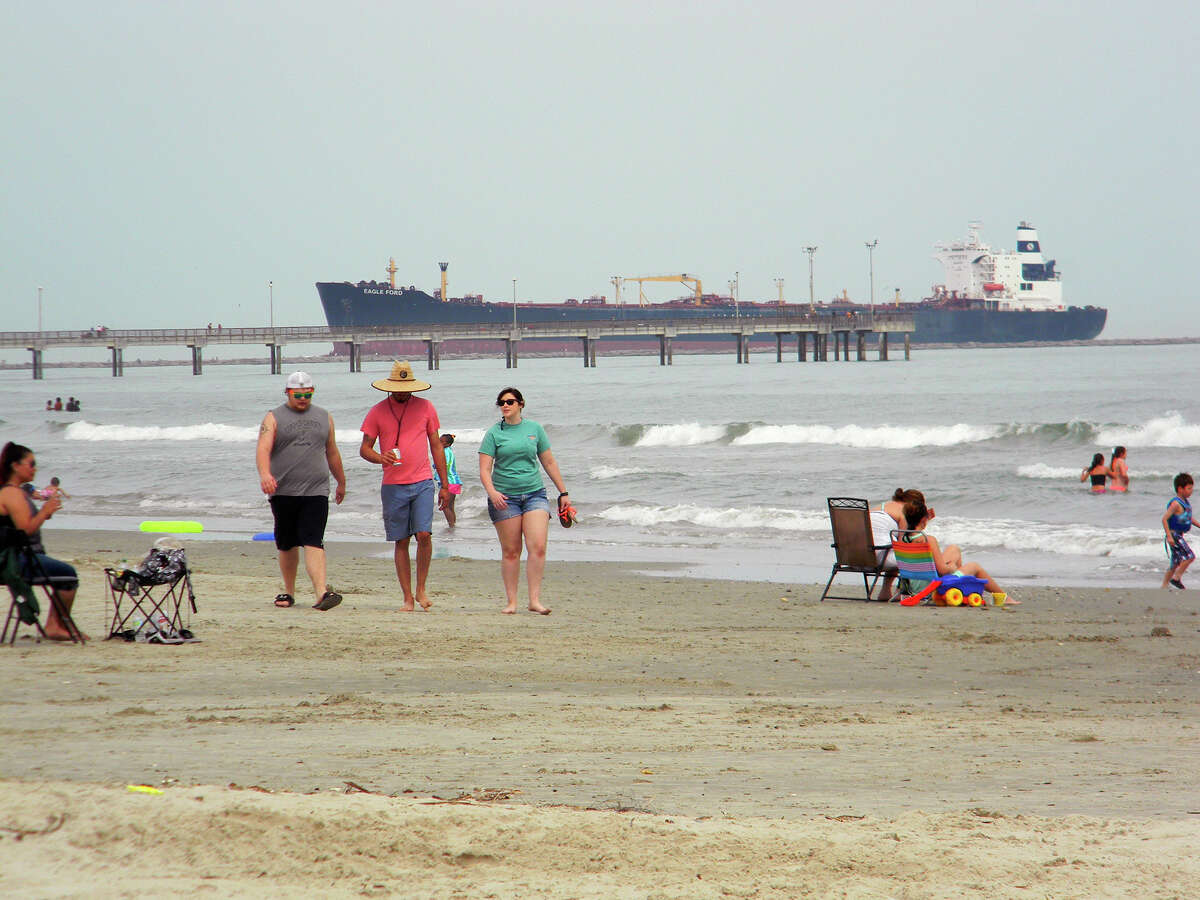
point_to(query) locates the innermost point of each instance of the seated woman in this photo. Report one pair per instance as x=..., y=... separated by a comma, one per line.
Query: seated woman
x=17, y=510
x=950, y=561
x=1097, y=472
x=889, y=516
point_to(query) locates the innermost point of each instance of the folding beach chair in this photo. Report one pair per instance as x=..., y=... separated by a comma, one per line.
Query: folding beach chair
x=854, y=545
x=154, y=592
x=21, y=571
x=914, y=558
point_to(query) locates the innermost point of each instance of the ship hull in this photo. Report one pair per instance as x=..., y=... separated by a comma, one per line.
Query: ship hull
x=356, y=306
x=936, y=325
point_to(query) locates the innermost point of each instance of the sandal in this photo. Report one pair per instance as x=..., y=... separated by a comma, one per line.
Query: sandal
x=328, y=600
x=283, y=601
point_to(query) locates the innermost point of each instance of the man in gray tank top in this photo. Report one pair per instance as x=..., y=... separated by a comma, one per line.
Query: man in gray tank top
x=295, y=456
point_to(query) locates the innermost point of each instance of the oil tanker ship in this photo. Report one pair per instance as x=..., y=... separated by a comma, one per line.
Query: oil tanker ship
x=989, y=296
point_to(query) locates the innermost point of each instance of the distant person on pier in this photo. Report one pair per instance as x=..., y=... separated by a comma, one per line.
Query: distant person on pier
x=1096, y=472
x=1119, y=470
x=58, y=404
x=295, y=456
x=407, y=431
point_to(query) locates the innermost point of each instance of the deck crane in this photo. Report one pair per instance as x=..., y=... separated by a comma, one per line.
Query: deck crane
x=641, y=279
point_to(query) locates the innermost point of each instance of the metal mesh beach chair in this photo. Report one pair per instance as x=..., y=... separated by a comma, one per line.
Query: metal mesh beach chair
x=854, y=545
x=22, y=571
x=153, y=592
x=919, y=578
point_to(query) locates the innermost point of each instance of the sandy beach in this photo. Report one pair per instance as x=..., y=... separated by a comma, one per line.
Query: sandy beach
x=656, y=736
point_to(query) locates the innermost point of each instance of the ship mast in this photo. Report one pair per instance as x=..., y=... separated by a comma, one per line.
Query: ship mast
x=443, y=266
x=391, y=270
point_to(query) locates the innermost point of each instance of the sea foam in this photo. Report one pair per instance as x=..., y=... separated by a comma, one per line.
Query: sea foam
x=714, y=517
x=1166, y=431
x=210, y=431
x=683, y=435
x=886, y=437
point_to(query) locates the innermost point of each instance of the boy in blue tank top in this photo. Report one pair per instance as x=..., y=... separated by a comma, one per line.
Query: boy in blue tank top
x=1177, y=521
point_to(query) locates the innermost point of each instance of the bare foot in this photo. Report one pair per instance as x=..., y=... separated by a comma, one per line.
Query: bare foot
x=407, y=606
x=57, y=634
x=424, y=601
x=539, y=609
x=509, y=610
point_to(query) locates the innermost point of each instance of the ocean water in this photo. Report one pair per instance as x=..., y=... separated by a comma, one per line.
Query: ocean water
x=722, y=468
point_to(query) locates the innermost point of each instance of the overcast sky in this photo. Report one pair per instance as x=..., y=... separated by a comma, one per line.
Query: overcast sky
x=163, y=161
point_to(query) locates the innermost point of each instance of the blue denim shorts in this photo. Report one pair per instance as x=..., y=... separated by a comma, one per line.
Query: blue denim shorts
x=519, y=504
x=407, y=509
x=59, y=575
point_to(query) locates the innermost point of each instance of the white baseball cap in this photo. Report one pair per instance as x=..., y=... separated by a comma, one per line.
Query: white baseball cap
x=299, y=380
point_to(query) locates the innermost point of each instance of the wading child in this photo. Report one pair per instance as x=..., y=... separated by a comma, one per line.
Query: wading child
x=1176, y=522
x=454, y=482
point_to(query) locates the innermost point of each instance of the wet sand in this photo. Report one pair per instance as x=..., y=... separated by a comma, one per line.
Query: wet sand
x=655, y=736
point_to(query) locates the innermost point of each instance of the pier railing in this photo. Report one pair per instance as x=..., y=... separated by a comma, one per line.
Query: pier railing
x=839, y=325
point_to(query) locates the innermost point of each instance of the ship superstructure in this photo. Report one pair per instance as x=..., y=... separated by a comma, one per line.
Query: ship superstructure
x=1004, y=279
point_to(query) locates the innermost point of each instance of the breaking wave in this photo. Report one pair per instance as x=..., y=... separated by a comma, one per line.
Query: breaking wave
x=887, y=437
x=715, y=517
x=210, y=431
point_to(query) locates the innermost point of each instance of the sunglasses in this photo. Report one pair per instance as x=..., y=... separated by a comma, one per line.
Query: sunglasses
x=32, y=464
x=302, y=395
x=507, y=401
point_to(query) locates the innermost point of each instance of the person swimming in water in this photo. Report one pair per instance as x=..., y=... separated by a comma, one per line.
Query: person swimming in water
x=1097, y=472
x=1119, y=470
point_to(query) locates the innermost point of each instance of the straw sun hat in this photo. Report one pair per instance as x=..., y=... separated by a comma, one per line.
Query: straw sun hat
x=401, y=380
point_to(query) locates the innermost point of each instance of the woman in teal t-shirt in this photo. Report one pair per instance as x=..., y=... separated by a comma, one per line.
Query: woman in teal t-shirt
x=508, y=468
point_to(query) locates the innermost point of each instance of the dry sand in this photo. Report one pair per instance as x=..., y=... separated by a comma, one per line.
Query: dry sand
x=657, y=736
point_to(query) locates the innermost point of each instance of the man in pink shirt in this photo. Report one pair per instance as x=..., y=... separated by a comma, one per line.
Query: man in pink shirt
x=408, y=432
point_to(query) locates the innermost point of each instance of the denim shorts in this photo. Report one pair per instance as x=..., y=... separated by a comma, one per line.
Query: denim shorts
x=519, y=504
x=407, y=509
x=59, y=575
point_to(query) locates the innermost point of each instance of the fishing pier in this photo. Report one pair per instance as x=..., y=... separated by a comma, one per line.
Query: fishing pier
x=792, y=333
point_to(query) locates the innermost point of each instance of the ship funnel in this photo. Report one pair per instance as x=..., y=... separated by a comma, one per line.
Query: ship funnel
x=1027, y=239
x=443, y=266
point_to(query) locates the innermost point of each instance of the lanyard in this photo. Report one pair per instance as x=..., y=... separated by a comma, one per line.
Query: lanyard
x=400, y=420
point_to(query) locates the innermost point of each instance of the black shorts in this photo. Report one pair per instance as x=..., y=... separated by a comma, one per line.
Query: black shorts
x=299, y=521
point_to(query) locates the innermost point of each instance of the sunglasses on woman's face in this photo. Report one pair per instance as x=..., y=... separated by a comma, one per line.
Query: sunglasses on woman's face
x=507, y=401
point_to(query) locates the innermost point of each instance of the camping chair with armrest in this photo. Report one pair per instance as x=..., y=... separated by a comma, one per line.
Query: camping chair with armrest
x=854, y=545
x=914, y=559
x=17, y=561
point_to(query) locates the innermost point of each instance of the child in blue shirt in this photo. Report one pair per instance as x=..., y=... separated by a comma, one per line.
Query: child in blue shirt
x=1176, y=522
